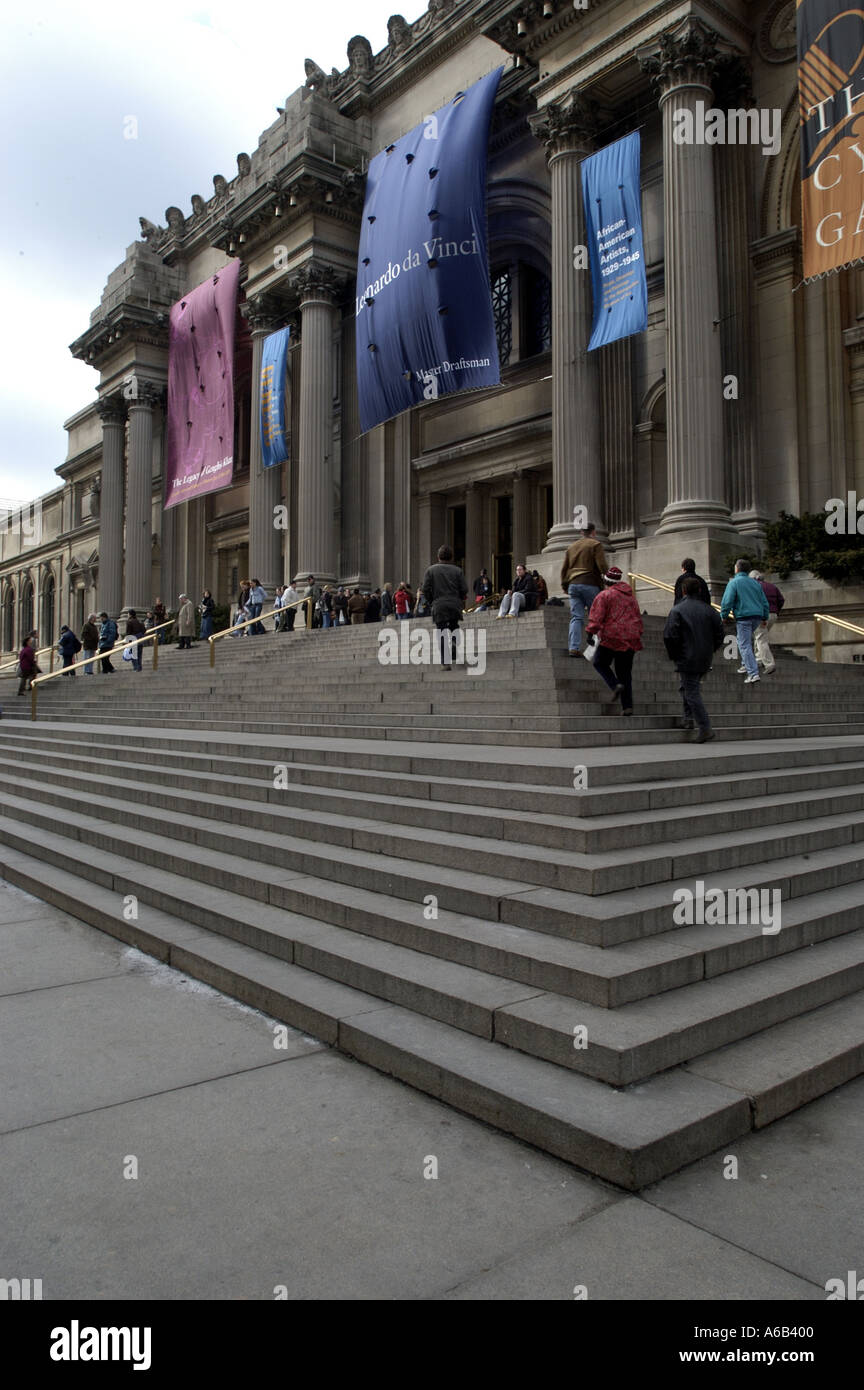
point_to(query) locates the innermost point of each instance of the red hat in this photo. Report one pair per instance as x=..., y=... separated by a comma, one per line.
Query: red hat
x=613, y=576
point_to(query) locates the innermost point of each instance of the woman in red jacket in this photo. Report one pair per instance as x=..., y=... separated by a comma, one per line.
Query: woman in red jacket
x=27, y=665
x=616, y=623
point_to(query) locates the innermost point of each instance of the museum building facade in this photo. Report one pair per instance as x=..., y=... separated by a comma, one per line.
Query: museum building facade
x=744, y=396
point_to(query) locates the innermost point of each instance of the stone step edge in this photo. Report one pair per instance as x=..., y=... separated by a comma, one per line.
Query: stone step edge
x=620, y=1136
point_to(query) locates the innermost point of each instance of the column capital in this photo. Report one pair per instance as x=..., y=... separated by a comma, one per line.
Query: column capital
x=685, y=56
x=112, y=410
x=261, y=314
x=317, y=280
x=566, y=127
x=144, y=393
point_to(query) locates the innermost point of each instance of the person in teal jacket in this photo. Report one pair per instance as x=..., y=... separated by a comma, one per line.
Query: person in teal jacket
x=745, y=599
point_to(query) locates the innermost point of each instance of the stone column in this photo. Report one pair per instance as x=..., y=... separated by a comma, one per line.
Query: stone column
x=113, y=414
x=521, y=519
x=682, y=70
x=139, y=497
x=566, y=129
x=776, y=270
x=615, y=362
x=475, y=501
x=265, y=484
x=316, y=287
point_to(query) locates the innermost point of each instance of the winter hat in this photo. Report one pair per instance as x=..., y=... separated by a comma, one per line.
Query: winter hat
x=613, y=576
x=755, y=574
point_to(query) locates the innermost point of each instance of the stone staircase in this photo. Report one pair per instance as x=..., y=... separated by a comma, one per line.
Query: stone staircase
x=396, y=860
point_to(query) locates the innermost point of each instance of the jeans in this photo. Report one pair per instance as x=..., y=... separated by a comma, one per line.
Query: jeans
x=744, y=629
x=691, y=696
x=623, y=664
x=256, y=628
x=401, y=616
x=763, y=651
x=581, y=598
x=511, y=603
x=327, y=620
x=206, y=627
x=88, y=657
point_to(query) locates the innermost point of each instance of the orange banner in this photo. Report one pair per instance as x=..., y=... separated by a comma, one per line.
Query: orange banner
x=831, y=94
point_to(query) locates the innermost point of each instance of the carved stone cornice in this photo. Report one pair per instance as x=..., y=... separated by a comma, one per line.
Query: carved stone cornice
x=685, y=56
x=777, y=255
x=111, y=410
x=566, y=127
x=130, y=323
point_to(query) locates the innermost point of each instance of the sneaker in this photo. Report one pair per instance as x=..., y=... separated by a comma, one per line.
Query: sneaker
x=574, y=653
x=686, y=724
x=742, y=670
x=767, y=670
x=705, y=735
x=510, y=615
x=626, y=711
x=751, y=680
x=614, y=694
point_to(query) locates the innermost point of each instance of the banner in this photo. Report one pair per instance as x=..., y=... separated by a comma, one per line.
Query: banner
x=274, y=366
x=425, y=326
x=613, y=222
x=830, y=72
x=199, y=444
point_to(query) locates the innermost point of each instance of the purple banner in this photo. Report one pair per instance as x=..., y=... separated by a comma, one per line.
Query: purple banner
x=199, y=446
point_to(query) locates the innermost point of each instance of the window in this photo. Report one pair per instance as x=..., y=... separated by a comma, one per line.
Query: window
x=522, y=309
x=502, y=310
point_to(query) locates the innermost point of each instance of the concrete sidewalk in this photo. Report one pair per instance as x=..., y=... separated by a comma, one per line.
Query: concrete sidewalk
x=267, y=1171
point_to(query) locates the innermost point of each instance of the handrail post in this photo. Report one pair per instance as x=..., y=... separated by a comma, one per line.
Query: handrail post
x=309, y=610
x=51, y=667
x=212, y=646
x=817, y=639
x=33, y=694
x=155, y=641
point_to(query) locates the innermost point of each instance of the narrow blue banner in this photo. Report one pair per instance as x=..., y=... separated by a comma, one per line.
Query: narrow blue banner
x=274, y=365
x=613, y=220
x=425, y=326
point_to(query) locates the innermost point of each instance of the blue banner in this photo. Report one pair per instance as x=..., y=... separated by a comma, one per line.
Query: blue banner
x=425, y=326
x=613, y=221
x=274, y=365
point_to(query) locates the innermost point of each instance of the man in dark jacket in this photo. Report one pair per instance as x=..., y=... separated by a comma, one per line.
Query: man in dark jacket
x=69, y=647
x=373, y=608
x=107, y=639
x=482, y=588
x=688, y=571
x=692, y=635
x=89, y=642
x=445, y=589
x=135, y=628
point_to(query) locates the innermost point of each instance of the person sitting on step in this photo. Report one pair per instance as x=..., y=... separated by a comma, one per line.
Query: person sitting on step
x=522, y=595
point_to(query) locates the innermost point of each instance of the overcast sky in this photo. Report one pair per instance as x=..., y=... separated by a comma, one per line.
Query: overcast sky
x=203, y=81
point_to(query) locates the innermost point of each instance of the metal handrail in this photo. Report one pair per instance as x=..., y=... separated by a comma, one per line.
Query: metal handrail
x=238, y=627
x=819, y=618
x=13, y=665
x=659, y=584
x=98, y=656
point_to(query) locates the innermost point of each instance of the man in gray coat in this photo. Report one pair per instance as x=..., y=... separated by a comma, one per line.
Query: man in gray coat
x=445, y=589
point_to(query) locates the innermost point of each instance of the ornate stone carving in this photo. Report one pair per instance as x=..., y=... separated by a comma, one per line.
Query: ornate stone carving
x=111, y=410
x=260, y=313
x=317, y=79
x=220, y=186
x=176, y=221
x=777, y=39
x=315, y=280
x=566, y=127
x=360, y=58
x=198, y=204
x=244, y=165
x=145, y=393
x=149, y=230
x=398, y=32
x=439, y=7
x=685, y=56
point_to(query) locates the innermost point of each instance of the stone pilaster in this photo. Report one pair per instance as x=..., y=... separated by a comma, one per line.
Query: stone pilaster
x=112, y=412
x=139, y=497
x=683, y=69
x=265, y=484
x=355, y=471
x=566, y=129
x=617, y=431
x=522, y=538
x=316, y=287
x=776, y=264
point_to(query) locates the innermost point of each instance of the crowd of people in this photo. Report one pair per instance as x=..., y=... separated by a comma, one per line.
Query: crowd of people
x=605, y=620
